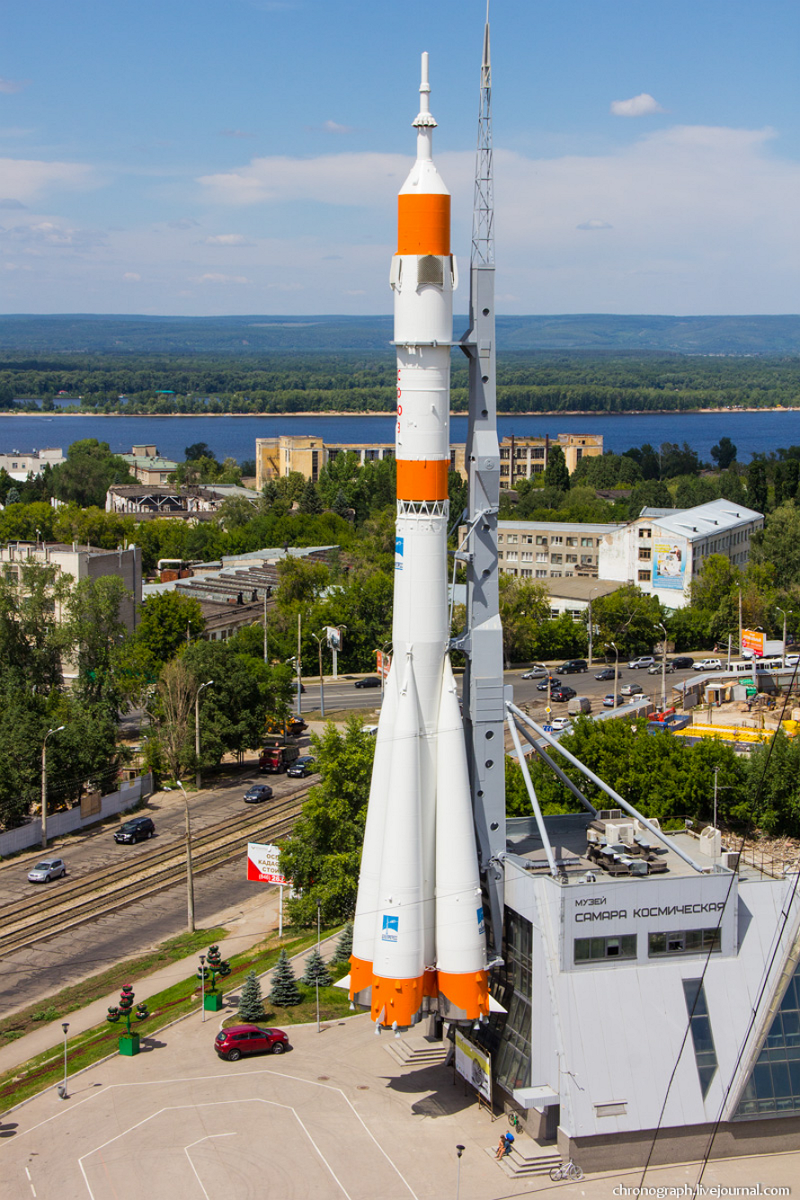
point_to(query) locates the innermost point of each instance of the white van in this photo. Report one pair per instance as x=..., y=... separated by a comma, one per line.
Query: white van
x=579, y=705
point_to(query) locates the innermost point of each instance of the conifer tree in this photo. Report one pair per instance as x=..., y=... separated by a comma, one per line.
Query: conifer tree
x=251, y=1003
x=283, y=992
x=344, y=946
x=316, y=971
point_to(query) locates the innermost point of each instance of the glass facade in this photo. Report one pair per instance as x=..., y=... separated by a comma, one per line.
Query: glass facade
x=683, y=941
x=596, y=948
x=508, y=1036
x=702, y=1037
x=773, y=1089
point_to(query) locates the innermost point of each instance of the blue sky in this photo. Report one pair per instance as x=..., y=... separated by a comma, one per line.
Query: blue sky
x=243, y=156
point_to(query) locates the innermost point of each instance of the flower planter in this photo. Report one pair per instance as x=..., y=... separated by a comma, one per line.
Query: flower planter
x=129, y=1044
x=212, y=1002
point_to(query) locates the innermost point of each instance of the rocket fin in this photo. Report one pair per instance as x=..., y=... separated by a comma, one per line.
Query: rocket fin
x=460, y=936
x=372, y=850
x=398, y=966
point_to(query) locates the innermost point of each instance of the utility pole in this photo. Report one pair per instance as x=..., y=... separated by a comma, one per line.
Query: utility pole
x=198, y=780
x=189, y=873
x=783, y=612
x=740, y=621
x=616, y=670
x=663, y=667
x=266, y=660
x=44, y=784
x=319, y=953
x=319, y=640
x=299, y=678
x=591, y=627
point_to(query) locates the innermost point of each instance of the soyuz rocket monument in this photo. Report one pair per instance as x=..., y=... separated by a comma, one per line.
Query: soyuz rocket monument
x=419, y=939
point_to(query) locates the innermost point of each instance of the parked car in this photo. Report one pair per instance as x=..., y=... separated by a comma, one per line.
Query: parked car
x=630, y=689
x=563, y=693
x=573, y=666
x=559, y=723
x=792, y=660
x=644, y=660
x=554, y=683
x=47, y=869
x=656, y=668
x=135, y=830
x=580, y=705
x=236, y=1040
x=371, y=681
x=304, y=766
x=258, y=793
x=534, y=672
x=709, y=664
x=611, y=701
x=682, y=662
x=606, y=673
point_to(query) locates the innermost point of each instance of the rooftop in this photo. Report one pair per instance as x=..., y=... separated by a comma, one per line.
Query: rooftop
x=559, y=526
x=717, y=516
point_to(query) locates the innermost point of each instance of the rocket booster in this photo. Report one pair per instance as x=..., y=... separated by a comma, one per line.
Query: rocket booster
x=418, y=938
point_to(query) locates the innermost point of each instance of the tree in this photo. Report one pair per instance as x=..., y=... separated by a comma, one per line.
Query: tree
x=198, y=450
x=650, y=494
x=778, y=543
x=323, y=854
x=177, y=689
x=556, y=474
x=757, y=485
x=340, y=505
x=93, y=632
x=524, y=605
x=251, y=1002
x=628, y=618
x=166, y=622
x=310, y=501
x=316, y=972
x=724, y=453
x=284, y=992
x=344, y=946
x=88, y=472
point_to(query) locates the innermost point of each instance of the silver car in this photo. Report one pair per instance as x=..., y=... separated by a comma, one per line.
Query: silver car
x=535, y=672
x=47, y=869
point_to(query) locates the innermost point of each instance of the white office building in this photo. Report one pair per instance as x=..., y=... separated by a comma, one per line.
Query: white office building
x=663, y=549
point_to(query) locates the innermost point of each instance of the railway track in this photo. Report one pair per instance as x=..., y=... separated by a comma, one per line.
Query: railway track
x=27, y=922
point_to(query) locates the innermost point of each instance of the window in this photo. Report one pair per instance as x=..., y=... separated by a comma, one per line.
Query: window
x=528, y=539
x=644, y=554
x=645, y=533
x=508, y=1035
x=596, y=948
x=537, y=452
x=683, y=941
x=557, y=558
x=555, y=575
x=572, y=558
x=541, y=574
x=512, y=555
x=703, y=1038
x=572, y=541
x=499, y=553
x=505, y=454
x=499, y=538
x=773, y=1089
x=541, y=540
x=541, y=556
x=587, y=558
x=527, y=572
x=586, y=542
x=504, y=471
x=527, y=556
x=644, y=576
x=557, y=540
x=512, y=539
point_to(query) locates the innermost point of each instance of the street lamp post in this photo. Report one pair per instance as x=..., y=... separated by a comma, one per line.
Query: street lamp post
x=198, y=780
x=202, y=987
x=299, y=667
x=44, y=784
x=616, y=669
x=663, y=666
x=459, y=1152
x=319, y=640
x=189, y=875
x=319, y=952
x=62, y=1091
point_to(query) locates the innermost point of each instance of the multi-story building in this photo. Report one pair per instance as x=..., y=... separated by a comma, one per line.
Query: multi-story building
x=189, y=504
x=520, y=457
x=19, y=464
x=148, y=466
x=550, y=549
x=81, y=562
x=663, y=549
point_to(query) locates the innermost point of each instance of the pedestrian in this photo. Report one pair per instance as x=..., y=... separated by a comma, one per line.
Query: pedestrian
x=505, y=1144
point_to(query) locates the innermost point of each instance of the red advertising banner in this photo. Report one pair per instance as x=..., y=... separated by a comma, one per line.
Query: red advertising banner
x=263, y=864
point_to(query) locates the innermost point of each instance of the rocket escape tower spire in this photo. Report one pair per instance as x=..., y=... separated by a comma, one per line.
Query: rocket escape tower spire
x=482, y=640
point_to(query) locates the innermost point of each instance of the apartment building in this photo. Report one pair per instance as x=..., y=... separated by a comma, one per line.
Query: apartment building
x=520, y=457
x=19, y=464
x=550, y=549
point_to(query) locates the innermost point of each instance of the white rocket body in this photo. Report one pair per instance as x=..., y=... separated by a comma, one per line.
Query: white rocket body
x=418, y=940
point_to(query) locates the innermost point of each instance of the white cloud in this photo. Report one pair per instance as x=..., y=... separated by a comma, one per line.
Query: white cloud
x=594, y=223
x=26, y=179
x=350, y=179
x=226, y=239
x=215, y=277
x=642, y=105
x=132, y=276
x=9, y=86
x=334, y=127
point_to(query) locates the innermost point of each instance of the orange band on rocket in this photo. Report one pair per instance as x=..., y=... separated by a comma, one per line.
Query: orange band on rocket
x=422, y=479
x=423, y=224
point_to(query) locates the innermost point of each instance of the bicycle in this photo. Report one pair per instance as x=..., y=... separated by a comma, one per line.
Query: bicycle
x=513, y=1119
x=567, y=1170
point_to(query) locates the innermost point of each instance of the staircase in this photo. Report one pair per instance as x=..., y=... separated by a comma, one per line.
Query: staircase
x=527, y=1158
x=416, y=1051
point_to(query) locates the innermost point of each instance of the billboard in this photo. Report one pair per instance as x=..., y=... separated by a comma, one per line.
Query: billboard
x=384, y=662
x=475, y=1065
x=263, y=863
x=334, y=637
x=753, y=640
x=669, y=563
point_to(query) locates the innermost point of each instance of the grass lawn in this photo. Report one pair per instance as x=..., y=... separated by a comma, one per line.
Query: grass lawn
x=86, y=1048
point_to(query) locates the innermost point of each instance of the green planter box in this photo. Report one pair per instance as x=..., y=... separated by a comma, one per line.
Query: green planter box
x=129, y=1044
x=212, y=1002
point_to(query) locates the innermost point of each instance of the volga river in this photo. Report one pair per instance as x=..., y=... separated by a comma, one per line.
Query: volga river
x=234, y=437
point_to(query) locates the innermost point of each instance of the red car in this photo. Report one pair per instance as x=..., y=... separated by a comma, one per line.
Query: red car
x=236, y=1040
